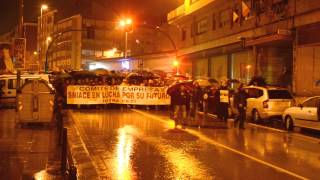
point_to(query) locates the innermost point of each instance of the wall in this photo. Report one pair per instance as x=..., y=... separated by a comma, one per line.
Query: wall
x=308, y=70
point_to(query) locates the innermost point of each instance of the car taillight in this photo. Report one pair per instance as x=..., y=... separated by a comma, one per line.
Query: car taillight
x=265, y=104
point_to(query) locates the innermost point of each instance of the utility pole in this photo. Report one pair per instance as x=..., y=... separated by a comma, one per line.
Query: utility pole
x=20, y=26
x=21, y=35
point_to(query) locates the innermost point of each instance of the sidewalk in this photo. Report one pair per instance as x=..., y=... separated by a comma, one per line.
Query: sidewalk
x=28, y=152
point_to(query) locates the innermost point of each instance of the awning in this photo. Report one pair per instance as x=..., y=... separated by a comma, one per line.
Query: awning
x=268, y=40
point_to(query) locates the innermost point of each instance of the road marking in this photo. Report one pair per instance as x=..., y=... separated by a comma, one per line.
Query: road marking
x=283, y=131
x=210, y=141
x=265, y=127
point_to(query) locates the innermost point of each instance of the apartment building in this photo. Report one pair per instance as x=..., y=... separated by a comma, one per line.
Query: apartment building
x=242, y=38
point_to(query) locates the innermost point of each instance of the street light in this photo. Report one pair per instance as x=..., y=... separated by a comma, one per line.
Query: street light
x=48, y=40
x=126, y=24
x=248, y=67
x=176, y=65
x=43, y=8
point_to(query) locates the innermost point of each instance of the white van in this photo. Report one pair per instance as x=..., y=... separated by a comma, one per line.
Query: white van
x=267, y=102
x=9, y=84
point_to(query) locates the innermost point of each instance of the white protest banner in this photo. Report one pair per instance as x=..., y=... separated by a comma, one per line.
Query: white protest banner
x=138, y=95
x=224, y=96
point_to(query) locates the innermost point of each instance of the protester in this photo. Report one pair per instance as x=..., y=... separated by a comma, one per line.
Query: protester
x=195, y=99
x=179, y=101
x=240, y=101
x=223, y=103
x=212, y=100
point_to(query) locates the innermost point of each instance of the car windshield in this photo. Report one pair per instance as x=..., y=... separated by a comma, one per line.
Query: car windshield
x=279, y=94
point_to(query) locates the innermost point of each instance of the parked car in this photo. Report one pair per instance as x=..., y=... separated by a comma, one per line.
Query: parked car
x=267, y=102
x=9, y=84
x=306, y=115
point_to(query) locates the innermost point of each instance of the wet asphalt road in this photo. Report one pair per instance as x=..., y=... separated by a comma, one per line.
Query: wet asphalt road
x=134, y=144
x=24, y=151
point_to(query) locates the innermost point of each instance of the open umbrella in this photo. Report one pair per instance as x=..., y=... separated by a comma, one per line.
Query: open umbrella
x=257, y=81
x=203, y=82
x=62, y=76
x=83, y=74
x=101, y=72
x=175, y=87
x=213, y=81
x=206, y=82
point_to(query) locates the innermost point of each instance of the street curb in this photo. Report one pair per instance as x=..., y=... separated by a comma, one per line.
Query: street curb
x=80, y=155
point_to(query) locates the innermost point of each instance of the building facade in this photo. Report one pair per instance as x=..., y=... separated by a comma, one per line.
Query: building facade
x=45, y=31
x=240, y=39
x=86, y=43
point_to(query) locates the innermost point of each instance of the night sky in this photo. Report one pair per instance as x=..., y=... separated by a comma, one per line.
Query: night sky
x=151, y=11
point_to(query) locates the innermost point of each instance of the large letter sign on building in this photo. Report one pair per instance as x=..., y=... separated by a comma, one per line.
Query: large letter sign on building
x=19, y=50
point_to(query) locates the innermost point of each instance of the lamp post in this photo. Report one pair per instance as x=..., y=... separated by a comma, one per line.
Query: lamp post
x=176, y=64
x=43, y=8
x=126, y=24
x=248, y=67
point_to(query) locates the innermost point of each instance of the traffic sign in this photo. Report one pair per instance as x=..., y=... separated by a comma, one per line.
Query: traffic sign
x=19, y=52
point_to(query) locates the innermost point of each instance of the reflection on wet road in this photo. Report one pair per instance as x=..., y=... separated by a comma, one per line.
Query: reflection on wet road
x=142, y=145
x=23, y=151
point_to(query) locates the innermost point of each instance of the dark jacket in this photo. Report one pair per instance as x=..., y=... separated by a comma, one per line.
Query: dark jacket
x=196, y=95
x=240, y=99
x=179, y=97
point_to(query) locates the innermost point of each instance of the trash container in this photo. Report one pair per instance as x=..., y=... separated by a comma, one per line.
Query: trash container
x=35, y=102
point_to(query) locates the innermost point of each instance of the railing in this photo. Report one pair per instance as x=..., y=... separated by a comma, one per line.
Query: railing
x=68, y=169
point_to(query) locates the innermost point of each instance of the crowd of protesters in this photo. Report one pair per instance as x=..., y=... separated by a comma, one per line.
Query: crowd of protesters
x=188, y=100
x=188, y=97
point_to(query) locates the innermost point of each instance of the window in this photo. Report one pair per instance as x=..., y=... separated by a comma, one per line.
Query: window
x=254, y=93
x=314, y=102
x=225, y=18
x=279, y=94
x=49, y=20
x=260, y=6
x=214, y=22
x=183, y=34
x=11, y=84
x=90, y=32
x=201, y=26
x=2, y=83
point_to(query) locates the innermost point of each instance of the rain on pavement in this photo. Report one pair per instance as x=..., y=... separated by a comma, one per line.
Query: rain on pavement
x=26, y=151
x=134, y=144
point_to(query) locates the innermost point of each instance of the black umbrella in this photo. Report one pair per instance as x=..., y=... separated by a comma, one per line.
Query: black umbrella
x=101, y=72
x=230, y=81
x=176, y=86
x=213, y=81
x=83, y=74
x=258, y=81
x=62, y=76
